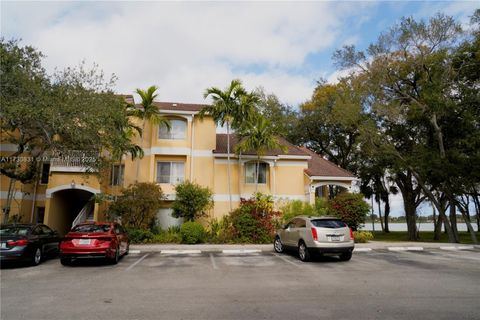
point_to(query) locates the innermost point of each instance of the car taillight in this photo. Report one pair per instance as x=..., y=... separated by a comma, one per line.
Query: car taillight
x=314, y=234
x=13, y=243
x=351, y=234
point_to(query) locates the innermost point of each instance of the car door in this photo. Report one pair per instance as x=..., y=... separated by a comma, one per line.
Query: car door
x=50, y=240
x=288, y=231
x=295, y=232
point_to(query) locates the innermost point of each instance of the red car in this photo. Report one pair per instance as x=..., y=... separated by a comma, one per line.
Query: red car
x=106, y=240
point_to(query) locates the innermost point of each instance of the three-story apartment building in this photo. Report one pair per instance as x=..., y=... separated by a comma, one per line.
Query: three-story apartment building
x=190, y=150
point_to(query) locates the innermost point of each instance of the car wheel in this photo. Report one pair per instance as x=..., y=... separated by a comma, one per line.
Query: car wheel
x=303, y=253
x=37, y=257
x=277, y=245
x=346, y=256
x=65, y=261
x=116, y=257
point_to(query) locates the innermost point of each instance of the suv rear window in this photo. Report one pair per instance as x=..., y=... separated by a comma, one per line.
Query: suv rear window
x=92, y=228
x=329, y=223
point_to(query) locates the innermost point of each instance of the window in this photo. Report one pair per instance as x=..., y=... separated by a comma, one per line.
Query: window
x=250, y=172
x=45, y=173
x=178, y=130
x=170, y=172
x=117, y=174
x=330, y=223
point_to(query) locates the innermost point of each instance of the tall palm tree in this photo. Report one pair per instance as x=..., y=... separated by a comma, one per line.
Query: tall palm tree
x=259, y=136
x=148, y=112
x=229, y=107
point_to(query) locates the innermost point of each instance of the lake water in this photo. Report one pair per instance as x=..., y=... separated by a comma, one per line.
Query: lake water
x=420, y=226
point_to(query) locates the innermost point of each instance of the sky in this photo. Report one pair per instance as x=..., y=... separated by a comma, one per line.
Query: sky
x=186, y=47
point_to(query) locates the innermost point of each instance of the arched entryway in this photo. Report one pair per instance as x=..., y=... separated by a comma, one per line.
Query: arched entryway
x=66, y=204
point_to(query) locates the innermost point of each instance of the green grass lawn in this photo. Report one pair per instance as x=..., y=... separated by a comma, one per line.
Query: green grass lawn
x=425, y=236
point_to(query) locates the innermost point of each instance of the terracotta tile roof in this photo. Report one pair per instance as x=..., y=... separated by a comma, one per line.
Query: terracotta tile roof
x=128, y=98
x=317, y=166
x=221, y=147
x=175, y=106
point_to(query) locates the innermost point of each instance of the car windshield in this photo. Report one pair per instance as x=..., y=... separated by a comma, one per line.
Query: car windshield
x=329, y=223
x=14, y=230
x=92, y=228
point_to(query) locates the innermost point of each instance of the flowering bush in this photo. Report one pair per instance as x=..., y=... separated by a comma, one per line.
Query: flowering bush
x=350, y=207
x=254, y=221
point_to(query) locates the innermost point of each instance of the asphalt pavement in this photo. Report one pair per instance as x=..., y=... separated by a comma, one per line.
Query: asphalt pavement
x=247, y=282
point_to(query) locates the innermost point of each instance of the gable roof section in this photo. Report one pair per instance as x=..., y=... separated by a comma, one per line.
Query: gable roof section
x=319, y=167
x=221, y=147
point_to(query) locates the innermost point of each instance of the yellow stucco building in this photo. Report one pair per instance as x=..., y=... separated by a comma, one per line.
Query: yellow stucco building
x=190, y=150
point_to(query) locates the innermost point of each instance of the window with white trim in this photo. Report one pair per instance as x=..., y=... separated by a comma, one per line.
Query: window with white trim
x=251, y=172
x=172, y=172
x=177, y=131
x=116, y=176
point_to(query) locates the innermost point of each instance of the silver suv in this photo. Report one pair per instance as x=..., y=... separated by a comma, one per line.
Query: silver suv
x=309, y=235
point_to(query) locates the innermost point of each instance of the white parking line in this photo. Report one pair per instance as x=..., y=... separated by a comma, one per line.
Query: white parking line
x=134, y=251
x=455, y=248
x=212, y=259
x=181, y=251
x=137, y=262
x=362, y=249
x=237, y=251
x=286, y=260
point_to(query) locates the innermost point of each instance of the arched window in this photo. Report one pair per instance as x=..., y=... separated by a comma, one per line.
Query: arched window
x=178, y=130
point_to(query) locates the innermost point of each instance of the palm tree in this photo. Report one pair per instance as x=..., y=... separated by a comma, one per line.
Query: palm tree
x=229, y=107
x=258, y=136
x=148, y=112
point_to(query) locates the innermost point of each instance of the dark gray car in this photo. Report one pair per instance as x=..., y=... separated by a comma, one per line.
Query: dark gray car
x=315, y=235
x=27, y=242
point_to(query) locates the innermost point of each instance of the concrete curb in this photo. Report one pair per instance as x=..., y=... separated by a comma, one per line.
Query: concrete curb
x=249, y=249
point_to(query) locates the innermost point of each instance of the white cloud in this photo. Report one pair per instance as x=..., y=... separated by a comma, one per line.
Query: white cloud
x=186, y=47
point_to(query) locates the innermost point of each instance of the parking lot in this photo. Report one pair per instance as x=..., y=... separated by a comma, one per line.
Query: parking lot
x=378, y=284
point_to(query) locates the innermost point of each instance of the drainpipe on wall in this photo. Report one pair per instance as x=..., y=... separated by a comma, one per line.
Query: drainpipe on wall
x=34, y=199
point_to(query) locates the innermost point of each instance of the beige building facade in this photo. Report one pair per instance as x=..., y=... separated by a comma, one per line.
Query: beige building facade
x=190, y=150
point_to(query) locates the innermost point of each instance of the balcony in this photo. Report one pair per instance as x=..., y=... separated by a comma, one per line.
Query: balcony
x=74, y=161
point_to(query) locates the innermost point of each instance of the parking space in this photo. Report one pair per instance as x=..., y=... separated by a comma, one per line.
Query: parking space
x=247, y=285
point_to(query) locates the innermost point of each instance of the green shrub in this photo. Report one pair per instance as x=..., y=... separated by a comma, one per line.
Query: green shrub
x=219, y=230
x=167, y=236
x=139, y=235
x=350, y=207
x=192, y=201
x=297, y=207
x=137, y=206
x=192, y=232
x=362, y=236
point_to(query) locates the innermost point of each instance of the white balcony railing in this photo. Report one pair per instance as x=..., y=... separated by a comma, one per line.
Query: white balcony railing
x=74, y=161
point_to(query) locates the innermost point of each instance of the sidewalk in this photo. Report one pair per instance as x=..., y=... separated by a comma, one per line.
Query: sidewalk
x=250, y=248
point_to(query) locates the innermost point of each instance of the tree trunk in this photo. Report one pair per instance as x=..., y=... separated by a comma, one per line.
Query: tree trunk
x=411, y=216
x=453, y=221
x=477, y=209
x=466, y=216
x=438, y=228
x=387, y=213
x=380, y=215
x=228, y=166
x=141, y=146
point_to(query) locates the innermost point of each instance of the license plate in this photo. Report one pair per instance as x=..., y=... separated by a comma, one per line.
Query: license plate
x=335, y=238
x=84, y=241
